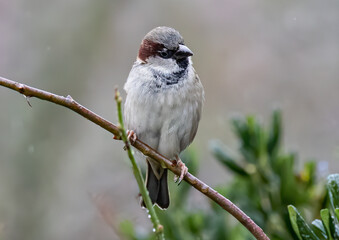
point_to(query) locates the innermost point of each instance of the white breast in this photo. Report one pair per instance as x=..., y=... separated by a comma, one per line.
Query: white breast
x=164, y=118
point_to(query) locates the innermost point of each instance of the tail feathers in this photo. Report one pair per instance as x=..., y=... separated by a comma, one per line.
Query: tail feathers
x=157, y=188
x=163, y=196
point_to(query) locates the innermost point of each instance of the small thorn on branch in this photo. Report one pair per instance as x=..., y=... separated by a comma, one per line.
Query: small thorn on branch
x=27, y=100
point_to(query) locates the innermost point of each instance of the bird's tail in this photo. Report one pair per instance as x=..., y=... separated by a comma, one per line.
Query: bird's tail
x=157, y=187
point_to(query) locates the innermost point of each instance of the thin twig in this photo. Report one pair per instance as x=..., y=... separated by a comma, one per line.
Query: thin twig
x=158, y=228
x=142, y=147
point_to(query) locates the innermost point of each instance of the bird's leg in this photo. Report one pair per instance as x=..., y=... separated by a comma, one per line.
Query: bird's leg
x=132, y=136
x=183, y=169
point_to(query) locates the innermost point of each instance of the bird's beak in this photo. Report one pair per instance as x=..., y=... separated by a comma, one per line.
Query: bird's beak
x=183, y=52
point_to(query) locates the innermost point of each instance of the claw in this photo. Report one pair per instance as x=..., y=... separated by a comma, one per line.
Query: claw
x=176, y=178
x=183, y=171
x=132, y=136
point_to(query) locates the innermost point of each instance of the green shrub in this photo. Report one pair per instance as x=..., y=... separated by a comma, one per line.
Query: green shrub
x=328, y=226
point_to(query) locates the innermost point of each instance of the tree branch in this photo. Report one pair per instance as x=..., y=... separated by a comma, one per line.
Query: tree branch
x=142, y=147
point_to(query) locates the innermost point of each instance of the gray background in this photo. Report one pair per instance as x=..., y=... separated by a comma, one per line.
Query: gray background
x=252, y=56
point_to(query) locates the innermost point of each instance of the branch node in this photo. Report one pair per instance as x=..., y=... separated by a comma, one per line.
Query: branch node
x=117, y=137
x=117, y=96
x=194, y=181
x=204, y=189
x=69, y=98
x=21, y=87
x=160, y=228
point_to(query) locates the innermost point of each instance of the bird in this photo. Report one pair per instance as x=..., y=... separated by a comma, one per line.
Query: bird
x=163, y=105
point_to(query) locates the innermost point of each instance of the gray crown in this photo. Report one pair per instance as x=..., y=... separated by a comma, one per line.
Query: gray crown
x=167, y=36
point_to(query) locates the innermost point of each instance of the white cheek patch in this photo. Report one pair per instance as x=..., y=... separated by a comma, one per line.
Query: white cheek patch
x=165, y=66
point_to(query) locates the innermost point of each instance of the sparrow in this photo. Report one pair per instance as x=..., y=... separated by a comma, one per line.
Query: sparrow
x=163, y=104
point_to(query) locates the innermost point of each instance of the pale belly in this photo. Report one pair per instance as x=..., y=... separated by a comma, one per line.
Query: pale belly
x=168, y=128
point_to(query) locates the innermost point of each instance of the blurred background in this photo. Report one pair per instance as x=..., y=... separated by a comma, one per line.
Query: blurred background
x=252, y=57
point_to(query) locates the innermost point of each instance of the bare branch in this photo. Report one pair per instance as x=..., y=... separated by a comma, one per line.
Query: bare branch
x=142, y=147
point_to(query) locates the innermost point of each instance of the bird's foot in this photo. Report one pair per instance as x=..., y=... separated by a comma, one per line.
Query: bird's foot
x=183, y=170
x=131, y=136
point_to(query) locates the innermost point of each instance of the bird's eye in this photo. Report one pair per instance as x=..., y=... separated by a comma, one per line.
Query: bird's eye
x=165, y=53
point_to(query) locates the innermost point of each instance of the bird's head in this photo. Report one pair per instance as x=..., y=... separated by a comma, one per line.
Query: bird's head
x=164, y=47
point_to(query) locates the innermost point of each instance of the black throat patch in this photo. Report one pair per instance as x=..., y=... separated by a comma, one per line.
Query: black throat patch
x=173, y=78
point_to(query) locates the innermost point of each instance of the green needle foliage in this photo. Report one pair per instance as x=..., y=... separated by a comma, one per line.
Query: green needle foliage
x=328, y=226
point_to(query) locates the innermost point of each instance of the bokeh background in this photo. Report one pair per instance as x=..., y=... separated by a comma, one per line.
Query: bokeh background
x=252, y=57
